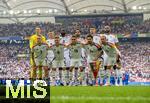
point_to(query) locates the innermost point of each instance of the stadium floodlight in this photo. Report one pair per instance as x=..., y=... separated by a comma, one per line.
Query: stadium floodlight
x=134, y=7
x=38, y=11
x=55, y=10
x=85, y=10
x=72, y=10
x=17, y=12
x=11, y=12
x=140, y=7
x=29, y=11
x=114, y=8
x=144, y=8
x=50, y=10
x=46, y=12
x=24, y=11
x=4, y=12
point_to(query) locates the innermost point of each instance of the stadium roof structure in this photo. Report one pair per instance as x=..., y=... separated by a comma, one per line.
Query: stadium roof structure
x=15, y=9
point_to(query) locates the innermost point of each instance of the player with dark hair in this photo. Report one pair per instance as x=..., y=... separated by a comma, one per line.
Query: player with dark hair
x=117, y=67
x=93, y=52
x=58, y=61
x=75, y=51
x=111, y=52
x=39, y=53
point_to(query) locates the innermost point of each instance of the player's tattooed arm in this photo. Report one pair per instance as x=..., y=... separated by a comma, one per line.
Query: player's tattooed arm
x=67, y=45
x=112, y=45
x=99, y=52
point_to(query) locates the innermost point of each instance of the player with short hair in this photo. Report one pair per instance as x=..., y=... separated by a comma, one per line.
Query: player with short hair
x=75, y=51
x=65, y=40
x=117, y=67
x=33, y=41
x=58, y=61
x=111, y=52
x=96, y=37
x=83, y=73
x=50, y=41
x=93, y=52
x=39, y=53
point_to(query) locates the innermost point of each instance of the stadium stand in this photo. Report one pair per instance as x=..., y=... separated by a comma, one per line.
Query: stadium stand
x=119, y=25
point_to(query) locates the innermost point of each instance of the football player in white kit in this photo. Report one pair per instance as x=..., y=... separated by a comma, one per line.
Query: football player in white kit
x=83, y=70
x=117, y=67
x=111, y=53
x=93, y=52
x=50, y=41
x=96, y=37
x=75, y=51
x=58, y=61
x=39, y=52
x=97, y=40
x=65, y=40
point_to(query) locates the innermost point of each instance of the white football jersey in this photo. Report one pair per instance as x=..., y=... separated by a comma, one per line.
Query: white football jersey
x=96, y=39
x=65, y=41
x=50, y=42
x=50, y=54
x=112, y=38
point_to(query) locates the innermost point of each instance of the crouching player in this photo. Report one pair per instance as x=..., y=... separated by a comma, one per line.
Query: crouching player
x=39, y=53
x=110, y=57
x=93, y=52
x=58, y=61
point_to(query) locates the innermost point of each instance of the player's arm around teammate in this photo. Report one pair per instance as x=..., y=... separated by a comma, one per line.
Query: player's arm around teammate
x=94, y=53
x=75, y=49
x=58, y=62
x=110, y=58
x=33, y=41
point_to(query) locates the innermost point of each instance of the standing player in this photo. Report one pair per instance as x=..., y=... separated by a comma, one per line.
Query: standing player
x=97, y=40
x=96, y=37
x=65, y=40
x=94, y=52
x=39, y=53
x=84, y=57
x=78, y=35
x=58, y=62
x=33, y=41
x=75, y=49
x=50, y=42
x=111, y=52
x=117, y=67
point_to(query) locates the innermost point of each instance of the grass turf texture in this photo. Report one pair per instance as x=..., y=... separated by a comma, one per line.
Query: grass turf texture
x=126, y=94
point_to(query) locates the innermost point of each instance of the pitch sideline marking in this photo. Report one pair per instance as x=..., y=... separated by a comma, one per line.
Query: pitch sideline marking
x=98, y=98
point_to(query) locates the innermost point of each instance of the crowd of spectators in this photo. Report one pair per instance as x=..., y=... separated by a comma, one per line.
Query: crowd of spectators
x=11, y=65
x=119, y=25
x=136, y=60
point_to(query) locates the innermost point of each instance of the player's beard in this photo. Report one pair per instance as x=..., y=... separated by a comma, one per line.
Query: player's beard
x=63, y=34
x=107, y=31
x=77, y=35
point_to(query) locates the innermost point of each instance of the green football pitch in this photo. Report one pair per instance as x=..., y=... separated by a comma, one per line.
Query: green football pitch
x=124, y=94
x=78, y=94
